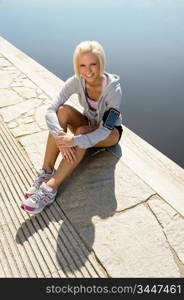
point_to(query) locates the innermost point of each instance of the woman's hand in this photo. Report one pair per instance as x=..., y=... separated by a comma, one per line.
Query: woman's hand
x=68, y=152
x=64, y=140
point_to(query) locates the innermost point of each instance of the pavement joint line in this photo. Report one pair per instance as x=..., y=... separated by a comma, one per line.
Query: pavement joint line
x=173, y=251
x=137, y=204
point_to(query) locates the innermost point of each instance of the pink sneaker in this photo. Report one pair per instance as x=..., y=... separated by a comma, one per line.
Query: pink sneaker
x=44, y=196
x=42, y=176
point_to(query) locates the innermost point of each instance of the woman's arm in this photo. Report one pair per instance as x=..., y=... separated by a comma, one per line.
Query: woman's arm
x=53, y=124
x=88, y=140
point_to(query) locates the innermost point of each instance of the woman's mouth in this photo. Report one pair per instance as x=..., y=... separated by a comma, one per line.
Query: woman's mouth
x=89, y=75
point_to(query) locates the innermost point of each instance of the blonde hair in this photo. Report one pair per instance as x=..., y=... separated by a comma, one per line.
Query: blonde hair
x=92, y=47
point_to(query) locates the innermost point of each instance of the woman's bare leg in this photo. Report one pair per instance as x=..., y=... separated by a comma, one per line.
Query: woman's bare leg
x=51, y=154
x=65, y=168
x=68, y=117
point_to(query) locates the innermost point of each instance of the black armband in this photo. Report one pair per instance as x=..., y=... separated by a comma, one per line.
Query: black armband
x=110, y=118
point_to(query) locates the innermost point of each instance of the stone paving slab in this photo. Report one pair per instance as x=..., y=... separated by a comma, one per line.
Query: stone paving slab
x=8, y=97
x=130, y=229
x=137, y=244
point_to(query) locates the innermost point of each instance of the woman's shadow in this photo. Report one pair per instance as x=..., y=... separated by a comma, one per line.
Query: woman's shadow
x=88, y=197
x=68, y=226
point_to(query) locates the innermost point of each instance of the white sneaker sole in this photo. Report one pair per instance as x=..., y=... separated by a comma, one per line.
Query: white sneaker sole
x=35, y=212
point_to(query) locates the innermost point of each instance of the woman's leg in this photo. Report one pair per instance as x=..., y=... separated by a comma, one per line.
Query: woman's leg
x=65, y=168
x=51, y=154
x=71, y=118
x=68, y=117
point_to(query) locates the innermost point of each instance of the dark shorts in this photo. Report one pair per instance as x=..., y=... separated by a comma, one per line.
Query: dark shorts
x=120, y=130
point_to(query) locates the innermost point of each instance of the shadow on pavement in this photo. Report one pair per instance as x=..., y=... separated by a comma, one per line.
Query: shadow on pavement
x=89, y=193
x=86, y=197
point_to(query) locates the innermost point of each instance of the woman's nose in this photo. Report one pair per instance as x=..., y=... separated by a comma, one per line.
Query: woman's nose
x=88, y=69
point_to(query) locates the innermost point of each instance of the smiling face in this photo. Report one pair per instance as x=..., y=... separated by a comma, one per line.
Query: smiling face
x=89, y=67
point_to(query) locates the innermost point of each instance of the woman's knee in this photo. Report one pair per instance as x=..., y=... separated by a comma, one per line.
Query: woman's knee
x=63, y=109
x=64, y=114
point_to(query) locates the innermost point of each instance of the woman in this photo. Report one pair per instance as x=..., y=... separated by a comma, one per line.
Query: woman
x=98, y=126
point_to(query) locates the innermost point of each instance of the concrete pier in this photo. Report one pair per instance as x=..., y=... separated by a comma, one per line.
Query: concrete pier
x=120, y=214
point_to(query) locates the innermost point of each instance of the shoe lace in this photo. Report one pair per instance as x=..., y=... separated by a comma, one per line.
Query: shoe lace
x=39, y=179
x=41, y=195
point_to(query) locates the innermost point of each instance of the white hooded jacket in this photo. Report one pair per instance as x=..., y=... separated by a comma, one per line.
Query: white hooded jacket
x=111, y=97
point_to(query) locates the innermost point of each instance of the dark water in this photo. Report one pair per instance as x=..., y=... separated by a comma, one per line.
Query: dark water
x=144, y=44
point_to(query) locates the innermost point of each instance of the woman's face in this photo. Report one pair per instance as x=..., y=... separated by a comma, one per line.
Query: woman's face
x=89, y=67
